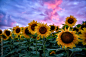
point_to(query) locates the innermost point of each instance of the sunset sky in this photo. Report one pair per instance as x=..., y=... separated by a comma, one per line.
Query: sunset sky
x=22, y=12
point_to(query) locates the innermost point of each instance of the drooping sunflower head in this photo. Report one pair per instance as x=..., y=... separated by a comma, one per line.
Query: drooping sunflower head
x=75, y=29
x=17, y=30
x=26, y=32
x=4, y=37
x=83, y=26
x=57, y=28
x=83, y=36
x=70, y=21
x=42, y=30
x=32, y=26
x=0, y=32
x=52, y=28
x=67, y=39
x=7, y=33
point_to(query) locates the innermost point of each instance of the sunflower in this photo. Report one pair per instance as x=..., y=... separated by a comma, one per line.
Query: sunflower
x=70, y=21
x=52, y=28
x=67, y=38
x=57, y=28
x=83, y=36
x=42, y=30
x=26, y=32
x=83, y=26
x=75, y=29
x=7, y=33
x=17, y=30
x=4, y=37
x=32, y=26
x=0, y=32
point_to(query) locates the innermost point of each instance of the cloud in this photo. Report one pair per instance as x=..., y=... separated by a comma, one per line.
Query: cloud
x=52, y=8
x=5, y=20
x=23, y=12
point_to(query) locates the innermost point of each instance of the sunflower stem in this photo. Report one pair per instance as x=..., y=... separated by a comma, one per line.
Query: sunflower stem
x=19, y=44
x=44, y=46
x=1, y=47
x=72, y=53
x=67, y=51
x=29, y=44
x=36, y=45
x=13, y=41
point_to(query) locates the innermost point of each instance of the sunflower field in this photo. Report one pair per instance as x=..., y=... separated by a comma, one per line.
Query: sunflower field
x=42, y=40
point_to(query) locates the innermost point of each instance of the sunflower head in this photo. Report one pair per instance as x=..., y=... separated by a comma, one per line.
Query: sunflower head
x=70, y=21
x=83, y=36
x=83, y=26
x=52, y=28
x=57, y=28
x=17, y=30
x=42, y=30
x=75, y=29
x=67, y=39
x=32, y=26
x=0, y=32
x=26, y=32
x=4, y=37
x=7, y=33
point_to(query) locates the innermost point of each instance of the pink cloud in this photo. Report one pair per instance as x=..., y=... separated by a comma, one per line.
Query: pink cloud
x=53, y=8
x=52, y=4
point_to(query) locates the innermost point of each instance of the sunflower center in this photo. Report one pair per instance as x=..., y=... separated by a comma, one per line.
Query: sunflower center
x=42, y=30
x=70, y=20
x=0, y=32
x=27, y=31
x=7, y=33
x=33, y=26
x=67, y=37
x=17, y=30
x=52, y=27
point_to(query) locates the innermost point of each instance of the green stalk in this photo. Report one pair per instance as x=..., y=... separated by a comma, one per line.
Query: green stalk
x=29, y=45
x=44, y=46
x=13, y=40
x=19, y=44
x=67, y=51
x=1, y=47
x=36, y=45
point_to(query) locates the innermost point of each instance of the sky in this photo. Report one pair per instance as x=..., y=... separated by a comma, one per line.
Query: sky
x=22, y=12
